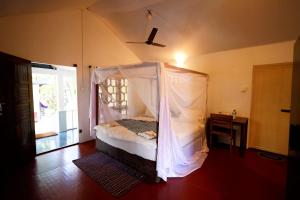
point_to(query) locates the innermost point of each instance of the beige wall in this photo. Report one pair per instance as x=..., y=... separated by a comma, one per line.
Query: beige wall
x=230, y=74
x=56, y=38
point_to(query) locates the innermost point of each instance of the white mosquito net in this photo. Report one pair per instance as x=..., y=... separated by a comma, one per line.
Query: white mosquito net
x=174, y=97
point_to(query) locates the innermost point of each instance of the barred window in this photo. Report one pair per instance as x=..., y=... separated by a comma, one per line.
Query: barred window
x=118, y=97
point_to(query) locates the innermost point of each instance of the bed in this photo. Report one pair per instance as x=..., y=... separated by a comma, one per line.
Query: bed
x=174, y=97
x=139, y=152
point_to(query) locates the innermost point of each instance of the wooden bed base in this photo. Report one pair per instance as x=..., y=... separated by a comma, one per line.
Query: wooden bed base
x=145, y=166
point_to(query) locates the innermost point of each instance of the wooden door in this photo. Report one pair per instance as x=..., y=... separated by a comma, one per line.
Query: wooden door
x=16, y=113
x=24, y=118
x=5, y=116
x=271, y=99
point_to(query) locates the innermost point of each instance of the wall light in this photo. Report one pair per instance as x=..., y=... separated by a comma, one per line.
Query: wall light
x=180, y=58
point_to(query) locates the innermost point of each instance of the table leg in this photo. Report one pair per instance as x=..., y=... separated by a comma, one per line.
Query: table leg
x=243, y=139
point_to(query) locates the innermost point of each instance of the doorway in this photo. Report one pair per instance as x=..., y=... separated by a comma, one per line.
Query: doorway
x=55, y=106
x=270, y=109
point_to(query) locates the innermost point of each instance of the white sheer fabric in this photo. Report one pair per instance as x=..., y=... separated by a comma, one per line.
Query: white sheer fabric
x=183, y=97
x=169, y=95
x=106, y=114
x=143, y=80
x=142, y=91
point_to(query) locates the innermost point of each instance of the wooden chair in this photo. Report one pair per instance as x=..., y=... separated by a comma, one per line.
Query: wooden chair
x=222, y=125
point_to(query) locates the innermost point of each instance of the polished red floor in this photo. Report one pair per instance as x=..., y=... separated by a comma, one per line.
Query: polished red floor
x=224, y=175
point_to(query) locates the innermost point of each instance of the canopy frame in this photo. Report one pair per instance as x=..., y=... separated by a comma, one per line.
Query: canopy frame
x=159, y=69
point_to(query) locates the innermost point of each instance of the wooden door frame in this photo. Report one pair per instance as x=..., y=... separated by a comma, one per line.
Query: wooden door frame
x=252, y=96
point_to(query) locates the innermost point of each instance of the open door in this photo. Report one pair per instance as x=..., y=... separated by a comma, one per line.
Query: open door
x=55, y=106
x=16, y=111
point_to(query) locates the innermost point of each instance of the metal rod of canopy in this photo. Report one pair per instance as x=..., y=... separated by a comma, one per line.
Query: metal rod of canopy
x=144, y=64
x=184, y=69
x=150, y=65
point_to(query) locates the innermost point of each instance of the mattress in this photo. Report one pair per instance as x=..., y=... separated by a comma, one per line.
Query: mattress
x=186, y=132
x=120, y=137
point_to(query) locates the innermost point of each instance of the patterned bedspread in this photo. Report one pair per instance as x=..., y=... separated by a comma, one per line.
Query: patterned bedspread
x=139, y=126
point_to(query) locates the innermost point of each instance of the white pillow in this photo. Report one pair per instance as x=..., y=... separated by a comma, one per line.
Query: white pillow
x=109, y=124
x=149, y=135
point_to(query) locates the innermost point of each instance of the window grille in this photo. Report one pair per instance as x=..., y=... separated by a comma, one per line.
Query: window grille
x=118, y=96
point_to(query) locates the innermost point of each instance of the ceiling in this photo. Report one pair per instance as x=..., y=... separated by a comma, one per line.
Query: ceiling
x=193, y=26
x=17, y=7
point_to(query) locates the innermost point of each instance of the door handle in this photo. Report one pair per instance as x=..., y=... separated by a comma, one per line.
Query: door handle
x=285, y=110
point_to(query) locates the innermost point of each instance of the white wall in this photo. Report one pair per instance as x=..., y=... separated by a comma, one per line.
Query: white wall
x=230, y=74
x=56, y=38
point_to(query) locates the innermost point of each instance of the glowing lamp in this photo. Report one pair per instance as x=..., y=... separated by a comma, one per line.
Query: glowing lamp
x=180, y=58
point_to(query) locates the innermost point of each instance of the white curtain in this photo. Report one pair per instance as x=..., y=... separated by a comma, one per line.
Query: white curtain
x=182, y=97
x=106, y=114
x=170, y=95
x=143, y=80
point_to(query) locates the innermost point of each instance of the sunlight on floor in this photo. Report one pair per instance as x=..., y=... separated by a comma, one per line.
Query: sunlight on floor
x=63, y=139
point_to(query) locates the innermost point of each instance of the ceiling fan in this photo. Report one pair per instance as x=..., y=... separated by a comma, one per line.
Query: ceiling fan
x=150, y=39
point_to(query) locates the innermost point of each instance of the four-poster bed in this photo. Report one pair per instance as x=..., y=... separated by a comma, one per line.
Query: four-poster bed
x=150, y=93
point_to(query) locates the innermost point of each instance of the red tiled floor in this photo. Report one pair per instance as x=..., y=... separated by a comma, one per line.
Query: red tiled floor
x=224, y=175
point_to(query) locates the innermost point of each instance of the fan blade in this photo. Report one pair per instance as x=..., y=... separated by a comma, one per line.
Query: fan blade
x=152, y=35
x=158, y=45
x=136, y=42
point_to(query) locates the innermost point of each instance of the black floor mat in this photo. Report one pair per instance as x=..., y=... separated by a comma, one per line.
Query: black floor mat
x=113, y=176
